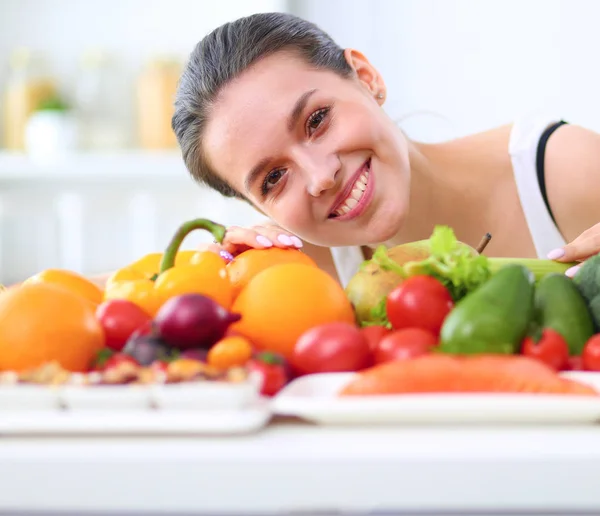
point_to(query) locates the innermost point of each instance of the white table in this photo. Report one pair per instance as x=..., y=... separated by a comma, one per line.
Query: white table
x=302, y=468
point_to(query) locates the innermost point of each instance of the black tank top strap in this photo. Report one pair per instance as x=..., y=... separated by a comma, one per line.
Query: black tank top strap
x=541, y=152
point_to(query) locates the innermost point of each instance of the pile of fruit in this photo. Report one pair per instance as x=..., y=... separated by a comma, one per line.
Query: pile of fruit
x=182, y=316
x=168, y=317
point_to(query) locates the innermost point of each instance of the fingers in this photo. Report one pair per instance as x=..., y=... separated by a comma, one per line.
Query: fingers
x=238, y=239
x=572, y=270
x=584, y=246
x=217, y=249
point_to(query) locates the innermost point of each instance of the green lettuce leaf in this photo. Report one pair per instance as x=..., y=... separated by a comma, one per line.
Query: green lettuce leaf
x=454, y=265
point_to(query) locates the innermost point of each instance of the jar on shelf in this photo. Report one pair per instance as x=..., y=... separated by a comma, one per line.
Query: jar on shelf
x=29, y=84
x=156, y=90
x=99, y=97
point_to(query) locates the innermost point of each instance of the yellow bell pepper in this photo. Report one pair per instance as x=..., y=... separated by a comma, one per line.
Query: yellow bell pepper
x=156, y=277
x=147, y=267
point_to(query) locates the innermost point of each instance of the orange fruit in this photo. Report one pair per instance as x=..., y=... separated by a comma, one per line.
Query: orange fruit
x=72, y=281
x=42, y=322
x=280, y=303
x=248, y=264
x=229, y=352
x=206, y=275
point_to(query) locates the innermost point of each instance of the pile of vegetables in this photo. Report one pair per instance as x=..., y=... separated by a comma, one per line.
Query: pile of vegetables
x=471, y=304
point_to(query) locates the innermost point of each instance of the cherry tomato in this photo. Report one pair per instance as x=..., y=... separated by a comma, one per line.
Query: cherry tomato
x=159, y=366
x=591, y=354
x=419, y=302
x=551, y=349
x=404, y=344
x=107, y=359
x=331, y=347
x=119, y=319
x=575, y=363
x=273, y=369
x=374, y=334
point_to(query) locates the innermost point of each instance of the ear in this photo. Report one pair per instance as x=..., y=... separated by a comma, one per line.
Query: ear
x=366, y=73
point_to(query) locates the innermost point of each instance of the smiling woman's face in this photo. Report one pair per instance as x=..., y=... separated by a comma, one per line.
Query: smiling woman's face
x=312, y=150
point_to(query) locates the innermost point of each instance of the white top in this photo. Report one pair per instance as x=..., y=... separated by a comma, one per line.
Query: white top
x=524, y=138
x=523, y=143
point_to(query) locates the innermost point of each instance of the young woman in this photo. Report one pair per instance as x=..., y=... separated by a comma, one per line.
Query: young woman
x=272, y=111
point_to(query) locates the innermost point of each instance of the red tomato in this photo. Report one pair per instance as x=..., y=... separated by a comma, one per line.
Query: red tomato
x=331, y=347
x=419, y=302
x=404, y=345
x=159, y=366
x=273, y=369
x=119, y=358
x=374, y=334
x=119, y=319
x=551, y=349
x=575, y=364
x=107, y=359
x=591, y=354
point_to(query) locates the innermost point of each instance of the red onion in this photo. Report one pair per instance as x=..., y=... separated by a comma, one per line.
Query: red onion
x=193, y=321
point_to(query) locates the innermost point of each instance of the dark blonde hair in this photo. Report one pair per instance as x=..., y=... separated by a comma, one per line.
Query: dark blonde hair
x=222, y=56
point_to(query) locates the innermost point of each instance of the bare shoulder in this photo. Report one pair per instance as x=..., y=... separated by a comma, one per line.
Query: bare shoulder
x=474, y=151
x=572, y=169
x=492, y=138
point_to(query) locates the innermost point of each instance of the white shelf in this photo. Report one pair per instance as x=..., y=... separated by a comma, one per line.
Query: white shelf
x=126, y=164
x=296, y=467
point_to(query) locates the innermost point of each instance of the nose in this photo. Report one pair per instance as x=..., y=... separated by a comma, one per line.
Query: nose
x=320, y=170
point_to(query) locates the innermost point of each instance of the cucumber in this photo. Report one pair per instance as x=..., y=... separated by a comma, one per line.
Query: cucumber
x=559, y=305
x=492, y=319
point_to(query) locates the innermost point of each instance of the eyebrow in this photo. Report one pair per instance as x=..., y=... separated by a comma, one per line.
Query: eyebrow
x=293, y=118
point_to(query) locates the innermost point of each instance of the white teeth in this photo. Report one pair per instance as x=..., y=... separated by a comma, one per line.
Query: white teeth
x=355, y=195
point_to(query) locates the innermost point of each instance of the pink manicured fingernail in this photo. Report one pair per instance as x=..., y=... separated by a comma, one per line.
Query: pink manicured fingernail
x=263, y=240
x=297, y=242
x=572, y=271
x=284, y=239
x=226, y=255
x=555, y=254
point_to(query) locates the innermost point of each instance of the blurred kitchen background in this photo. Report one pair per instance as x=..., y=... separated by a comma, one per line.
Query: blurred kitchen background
x=90, y=173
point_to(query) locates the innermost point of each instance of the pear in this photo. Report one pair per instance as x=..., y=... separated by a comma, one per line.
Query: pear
x=372, y=283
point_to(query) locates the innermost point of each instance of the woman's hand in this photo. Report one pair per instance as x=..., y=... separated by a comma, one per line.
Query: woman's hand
x=238, y=239
x=584, y=246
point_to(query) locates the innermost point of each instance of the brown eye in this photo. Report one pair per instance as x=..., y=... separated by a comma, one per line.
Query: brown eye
x=316, y=119
x=271, y=179
x=274, y=177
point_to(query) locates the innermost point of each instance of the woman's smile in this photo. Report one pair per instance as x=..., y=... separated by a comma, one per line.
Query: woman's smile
x=356, y=196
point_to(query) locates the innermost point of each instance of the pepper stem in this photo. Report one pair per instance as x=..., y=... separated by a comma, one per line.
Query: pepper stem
x=217, y=231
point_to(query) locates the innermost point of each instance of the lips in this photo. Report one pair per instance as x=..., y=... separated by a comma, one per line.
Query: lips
x=353, y=192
